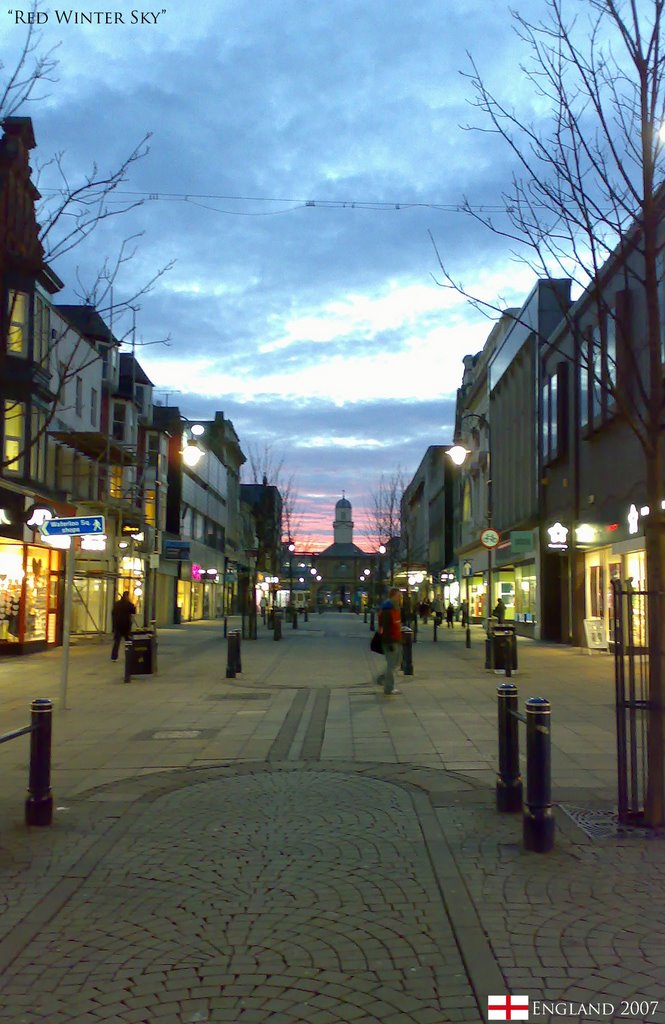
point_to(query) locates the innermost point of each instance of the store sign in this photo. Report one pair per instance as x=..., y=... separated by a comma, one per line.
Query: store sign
x=633, y=520
x=93, y=543
x=179, y=550
x=197, y=572
x=521, y=541
x=558, y=535
x=130, y=528
x=36, y=515
x=467, y=567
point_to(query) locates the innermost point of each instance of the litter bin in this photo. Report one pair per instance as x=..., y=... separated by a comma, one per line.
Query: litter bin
x=140, y=654
x=500, y=645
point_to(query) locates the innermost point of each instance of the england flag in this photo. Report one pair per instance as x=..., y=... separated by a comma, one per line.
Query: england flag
x=507, y=1007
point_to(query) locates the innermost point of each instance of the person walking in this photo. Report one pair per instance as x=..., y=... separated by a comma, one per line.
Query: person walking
x=121, y=619
x=450, y=615
x=390, y=628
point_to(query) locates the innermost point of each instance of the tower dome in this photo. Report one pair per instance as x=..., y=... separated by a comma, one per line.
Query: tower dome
x=343, y=503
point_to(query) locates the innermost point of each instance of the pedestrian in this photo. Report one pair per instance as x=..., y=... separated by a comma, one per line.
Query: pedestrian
x=390, y=628
x=121, y=619
x=436, y=611
x=499, y=612
x=450, y=615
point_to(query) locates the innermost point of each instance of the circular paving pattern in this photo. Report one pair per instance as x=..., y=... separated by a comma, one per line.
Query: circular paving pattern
x=278, y=897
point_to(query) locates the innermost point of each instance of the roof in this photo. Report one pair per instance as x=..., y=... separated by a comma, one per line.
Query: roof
x=88, y=321
x=343, y=551
x=343, y=503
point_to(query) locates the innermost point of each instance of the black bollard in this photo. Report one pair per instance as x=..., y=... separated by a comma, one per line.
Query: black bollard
x=295, y=618
x=231, y=655
x=538, y=820
x=508, y=780
x=434, y=636
x=39, y=804
x=371, y=621
x=306, y=615
x=276, y=626
x=225, y=626
x=407, y=651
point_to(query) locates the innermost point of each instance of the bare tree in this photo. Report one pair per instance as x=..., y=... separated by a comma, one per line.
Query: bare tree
x=588, y=189
x=68, y=213
x=383, y=518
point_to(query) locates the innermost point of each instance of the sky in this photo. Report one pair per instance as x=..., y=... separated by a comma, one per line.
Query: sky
x=304, y=154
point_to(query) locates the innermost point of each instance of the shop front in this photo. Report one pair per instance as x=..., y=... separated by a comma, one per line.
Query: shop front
x=29, y=597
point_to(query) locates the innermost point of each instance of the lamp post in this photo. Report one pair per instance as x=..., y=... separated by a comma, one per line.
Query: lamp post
x=291, y=549
x=458, y=453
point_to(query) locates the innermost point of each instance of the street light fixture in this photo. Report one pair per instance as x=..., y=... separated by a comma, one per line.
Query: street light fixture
x=458, y=454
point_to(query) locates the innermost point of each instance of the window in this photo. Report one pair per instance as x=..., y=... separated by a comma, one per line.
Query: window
x=37, y=445
x=596, y=375
x=93, y=406
x=14, y=436
x=17, y=336
x=79, y=396
x=116, y=482
x=611, y=358
x=149, y=507
x=119, y=413
x=42, y=335
x=584, y=385
x=553, y=415
x=62, y=383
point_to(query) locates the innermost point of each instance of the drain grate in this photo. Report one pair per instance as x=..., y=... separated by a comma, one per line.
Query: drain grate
x=595, y=823
x=604, y=824
x=176, y=734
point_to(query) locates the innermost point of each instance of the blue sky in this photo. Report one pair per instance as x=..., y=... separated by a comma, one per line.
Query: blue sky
x=301, y=155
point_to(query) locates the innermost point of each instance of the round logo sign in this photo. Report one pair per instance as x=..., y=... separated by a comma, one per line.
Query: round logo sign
x=489, y=538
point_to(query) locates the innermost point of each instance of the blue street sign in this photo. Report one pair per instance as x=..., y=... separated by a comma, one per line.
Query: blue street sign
x=72, y=527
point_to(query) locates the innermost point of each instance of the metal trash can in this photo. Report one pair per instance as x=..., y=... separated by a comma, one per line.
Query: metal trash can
x=501, y=645
x=140, y=654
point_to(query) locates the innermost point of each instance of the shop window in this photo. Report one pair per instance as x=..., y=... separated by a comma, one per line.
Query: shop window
x=17, y=335
x=14, y=436
x=11, y=586
x=526, y=594
x=36, y=593
x=597, y=591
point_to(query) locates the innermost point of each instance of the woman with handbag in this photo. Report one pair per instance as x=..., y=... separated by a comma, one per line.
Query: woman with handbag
x=390, y=628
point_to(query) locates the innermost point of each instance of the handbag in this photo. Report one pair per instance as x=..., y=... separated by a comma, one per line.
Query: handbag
x=376, y=643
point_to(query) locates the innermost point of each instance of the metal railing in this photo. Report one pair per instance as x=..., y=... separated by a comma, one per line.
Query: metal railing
x=39, y=802
x=537, y=812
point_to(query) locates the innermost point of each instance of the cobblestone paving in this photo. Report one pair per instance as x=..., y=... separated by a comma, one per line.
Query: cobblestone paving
x=275, y=897
x=583, y=924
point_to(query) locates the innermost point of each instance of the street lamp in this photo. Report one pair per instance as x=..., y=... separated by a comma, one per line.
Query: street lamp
x=291, y=549
x=458, y=454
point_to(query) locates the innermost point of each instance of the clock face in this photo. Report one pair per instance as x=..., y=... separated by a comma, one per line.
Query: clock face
x=489, y=538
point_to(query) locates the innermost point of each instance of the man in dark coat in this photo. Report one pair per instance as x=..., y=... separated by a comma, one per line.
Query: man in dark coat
x=123, y=610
